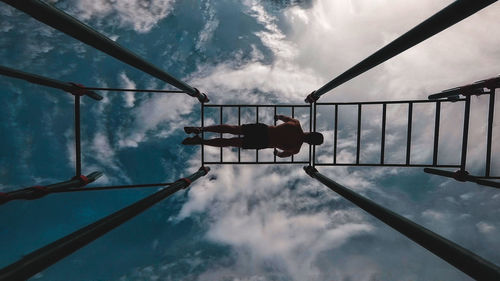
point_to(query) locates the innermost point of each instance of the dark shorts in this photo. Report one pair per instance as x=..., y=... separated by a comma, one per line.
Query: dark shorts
x=255, y=136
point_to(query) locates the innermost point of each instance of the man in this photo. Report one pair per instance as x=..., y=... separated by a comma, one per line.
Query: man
x=287, y=136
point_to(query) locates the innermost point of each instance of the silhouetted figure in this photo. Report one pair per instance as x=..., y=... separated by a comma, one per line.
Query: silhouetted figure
x=287, y=136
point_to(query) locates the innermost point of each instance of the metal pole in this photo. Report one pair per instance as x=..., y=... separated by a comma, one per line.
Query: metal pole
x=461, y=258
x=382, y=142
x=436, y=133
x=450, y=15
x=78, y=153
x=35, y=192
x=44, y=81
x=463, y=160
x=408, y=133
x=491, y=112
x=358, y=136
x=462, y=176
x=65, y=23
x=46, y=256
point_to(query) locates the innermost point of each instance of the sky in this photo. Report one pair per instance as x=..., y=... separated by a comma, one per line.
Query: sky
x=244, y=222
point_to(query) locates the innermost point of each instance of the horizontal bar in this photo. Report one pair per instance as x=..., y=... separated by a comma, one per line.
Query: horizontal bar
x=48, y=82
x=475, y=88
x=111, y=187
x=48, y=255
x=387, y=102
x=134, y=90
x=256, y=163
x=256, y=105
x=35, y=192
x=450, y=15
x=386, y=165
x=462, y=177
x=459, y=257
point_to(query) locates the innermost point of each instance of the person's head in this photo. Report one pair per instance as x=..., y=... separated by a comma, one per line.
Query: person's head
x=313, y=138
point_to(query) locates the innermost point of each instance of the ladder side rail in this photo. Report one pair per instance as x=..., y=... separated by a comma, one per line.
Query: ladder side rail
x=448, y=16
x=69, y=25
x=48, y=255
x=459, y=257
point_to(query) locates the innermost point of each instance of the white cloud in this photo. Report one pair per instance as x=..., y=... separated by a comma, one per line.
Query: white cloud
x=141, y=15
x=126, y=83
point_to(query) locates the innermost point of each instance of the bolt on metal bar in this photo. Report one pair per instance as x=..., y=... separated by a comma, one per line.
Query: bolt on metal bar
x=78, y=150
x=48, y=255
x=36, y=192
x=436, y=133
x=63, y=22
x=382, y=142
x=48, y=82
x=358, y=137
x=491, y=112
x=463, y=177
x=408, y=137
x=459, y=257
x=335, y=134
x=450, y=15
x=463, y=160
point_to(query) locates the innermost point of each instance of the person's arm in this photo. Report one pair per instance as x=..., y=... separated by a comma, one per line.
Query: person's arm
x=283, y=118
x=282, y=154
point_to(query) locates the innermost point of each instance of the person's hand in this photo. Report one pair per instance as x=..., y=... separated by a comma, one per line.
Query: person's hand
x=276, y=117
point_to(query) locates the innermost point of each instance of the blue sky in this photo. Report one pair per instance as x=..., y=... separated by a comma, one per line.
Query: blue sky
x=241, y=222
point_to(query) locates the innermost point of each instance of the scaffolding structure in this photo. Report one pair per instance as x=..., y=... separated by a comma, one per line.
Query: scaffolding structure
x=454, y=254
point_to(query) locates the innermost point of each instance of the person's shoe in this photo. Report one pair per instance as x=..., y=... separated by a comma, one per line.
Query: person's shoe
x=192, y=141
x=192, y=130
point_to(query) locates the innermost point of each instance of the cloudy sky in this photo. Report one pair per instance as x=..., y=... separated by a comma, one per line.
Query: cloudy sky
x=242, y=222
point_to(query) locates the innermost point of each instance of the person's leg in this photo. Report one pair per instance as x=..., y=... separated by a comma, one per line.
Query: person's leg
x=221, y=142
x=224, y=128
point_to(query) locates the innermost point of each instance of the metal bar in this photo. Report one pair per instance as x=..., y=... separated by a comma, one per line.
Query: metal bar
x=293, y=117
x=58, y=19
x=408, y=137
x=491, y=112
x=335, y=134
x=202, y=134
x=436, y=133
x=382, y=142
x=46, y=256
x=310, y=129
x=111, y=187
x=386, y=165
x=476, y=88
x=78, y=153
x=255, y=163
x=261, y=105
x=459, y=257
x=462, y=177
x=220, y=119
x=388, y=102
x=463, y=160
x=453, y=13
x=275, y=120
x=36, y=192
x=239, y=124
x=48, y=82
x=134, y=90
x=257, y=121
x=358, y=137
x=314, y=130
